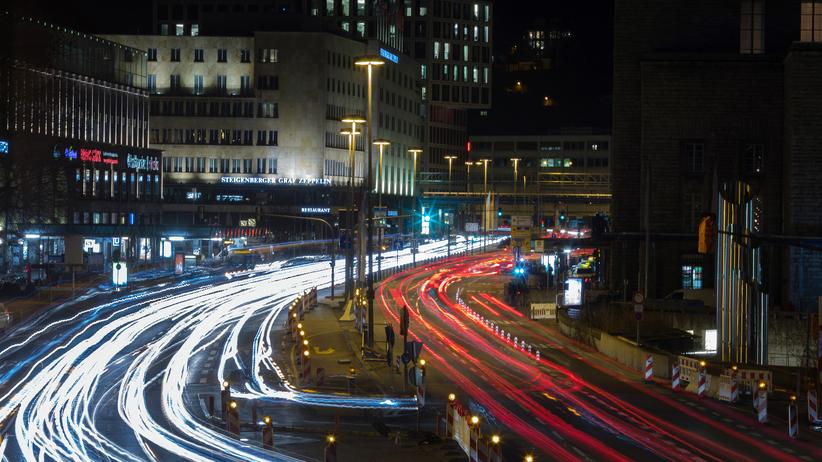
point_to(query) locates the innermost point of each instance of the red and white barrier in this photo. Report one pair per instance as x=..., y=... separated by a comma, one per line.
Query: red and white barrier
x=762, y=406
x=305, y=368
x=649, y=368
x=793, y=419
x=473, y=453
x=701, y=384
x=675, y=382
x=813, y=408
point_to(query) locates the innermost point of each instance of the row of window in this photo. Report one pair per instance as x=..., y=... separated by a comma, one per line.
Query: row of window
x=105, y=184
x=264, y=55
x=457, y=94
x=220, y=84
x=569, y=162
x=213, y=109
x=191, y=164
x=549, y=146
x=213, y=136
x=752, y=159
x=458, y=73
x=752, y=23
x=112, y=218
x=399, y=125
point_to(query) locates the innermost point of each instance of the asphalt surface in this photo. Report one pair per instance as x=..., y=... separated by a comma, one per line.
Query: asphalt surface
x=126, y=376
x=571, y=404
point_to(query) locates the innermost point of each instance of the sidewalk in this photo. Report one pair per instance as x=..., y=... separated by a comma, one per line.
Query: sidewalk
x=336, y=349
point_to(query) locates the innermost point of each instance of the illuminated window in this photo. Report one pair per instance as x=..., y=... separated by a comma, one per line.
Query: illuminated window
x=195, y=30
x=446, y=48
x=179, y=29
x=691, y=277
x=710, y=340
x=436, y=50
x=811, y=21
x=751, y=36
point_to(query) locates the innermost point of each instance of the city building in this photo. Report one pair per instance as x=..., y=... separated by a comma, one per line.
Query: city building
x=700, y=105
x=545, y=177
x=250, y=126
x=77, y=176
x=451, y=41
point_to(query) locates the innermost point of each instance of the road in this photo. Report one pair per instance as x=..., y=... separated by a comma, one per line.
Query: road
x=570, y=404
x=117, y=377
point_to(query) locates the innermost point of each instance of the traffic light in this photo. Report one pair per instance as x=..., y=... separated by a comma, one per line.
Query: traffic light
x=499, y=212
x=562, y=216
x=707, y=233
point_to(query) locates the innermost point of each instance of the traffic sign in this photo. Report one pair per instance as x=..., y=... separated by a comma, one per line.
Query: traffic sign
x=639, y=298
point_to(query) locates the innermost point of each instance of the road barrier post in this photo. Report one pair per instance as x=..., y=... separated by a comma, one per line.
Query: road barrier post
x=793, y=418
x=320, y=376
x=254, y=417
x=233, y=421
x=268, y=433
x=330, y=453
x=701, y=384
x=734, y=384
x=225, y=397
x=649, y=368
x=813, y=413
x=762, y=404
x=449, y=416
x=211, y=405
x=675, y=383
x=305, y=370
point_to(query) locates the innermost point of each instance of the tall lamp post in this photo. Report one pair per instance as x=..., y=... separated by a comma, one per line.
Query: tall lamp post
x=369, y=63
x=414, y=152
x=352, y=133
x=450, y=159
x=381, y=144
x=485, y=203
x=468, y=165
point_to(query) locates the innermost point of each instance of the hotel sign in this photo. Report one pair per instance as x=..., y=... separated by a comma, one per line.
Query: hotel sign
x=275, y=181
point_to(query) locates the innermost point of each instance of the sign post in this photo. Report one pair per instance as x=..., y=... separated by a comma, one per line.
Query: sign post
x=639, y=300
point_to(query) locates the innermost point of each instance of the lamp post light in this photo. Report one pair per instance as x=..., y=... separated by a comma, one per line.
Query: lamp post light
x=354, y=120
x=485, y=219
x=370, y=63
x=381, y=144
x=515, y=161
x=450, y=160
x=414, y=152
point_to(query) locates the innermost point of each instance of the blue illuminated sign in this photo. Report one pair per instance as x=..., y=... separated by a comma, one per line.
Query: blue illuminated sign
x=389, y=56
x=4, y=147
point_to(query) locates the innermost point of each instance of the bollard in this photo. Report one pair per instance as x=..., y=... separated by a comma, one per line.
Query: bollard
x=675, y=376
x=268, y=433
x=225, y=397
x=734, y=384
x=762, y=404
x=211, y=405
x=330, y=454
x=233, y=420
x=793, y=418
x=649, y=368
x=700, y=391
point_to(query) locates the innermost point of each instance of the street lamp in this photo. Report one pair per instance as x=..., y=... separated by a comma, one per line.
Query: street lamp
x=450, y=159
x=414, y=152
x=380, y=186
x=516, y=161
x=381, y=144
x=485, y=219
x=369, y=62
x=354, y=120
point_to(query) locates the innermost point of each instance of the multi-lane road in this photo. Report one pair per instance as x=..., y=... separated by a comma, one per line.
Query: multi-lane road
x=571, y=403
x=116, y=377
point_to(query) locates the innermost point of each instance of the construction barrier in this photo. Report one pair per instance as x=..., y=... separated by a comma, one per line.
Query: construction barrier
x=793, y=418
x=725, y=386
x=233, y=420
x=762, y=406
x=689, y=369
x=675, y=376
x=649, y=368
x=450, y=410
x=268, y=434
x=473, y=453
x=813, y=412
x=749, y=379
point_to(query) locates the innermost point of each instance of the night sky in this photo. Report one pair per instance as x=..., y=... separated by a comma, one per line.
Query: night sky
x=581, y=85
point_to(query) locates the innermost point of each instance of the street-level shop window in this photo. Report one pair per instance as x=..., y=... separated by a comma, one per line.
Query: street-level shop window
x=691, y=277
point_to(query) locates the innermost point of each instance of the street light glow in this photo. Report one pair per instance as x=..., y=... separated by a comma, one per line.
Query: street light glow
x=369, y=61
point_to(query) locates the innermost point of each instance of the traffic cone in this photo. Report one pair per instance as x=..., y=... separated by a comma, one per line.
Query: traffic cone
x=649, y=368
x=813, y=413
x=675, y=384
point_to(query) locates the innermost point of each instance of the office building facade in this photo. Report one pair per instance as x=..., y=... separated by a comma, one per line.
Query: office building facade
x=251, y=125
x=701, y=104
x=74, y=150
